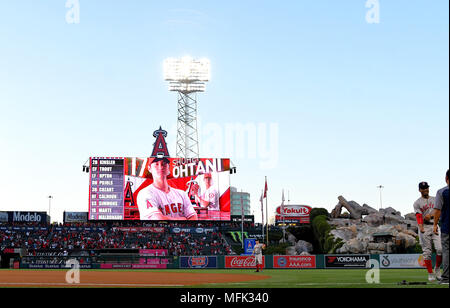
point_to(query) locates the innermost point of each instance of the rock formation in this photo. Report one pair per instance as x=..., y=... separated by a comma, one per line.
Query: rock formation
x=370, y=231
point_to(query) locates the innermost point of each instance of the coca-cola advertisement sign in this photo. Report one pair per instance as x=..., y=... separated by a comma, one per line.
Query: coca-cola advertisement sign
x=242, y=262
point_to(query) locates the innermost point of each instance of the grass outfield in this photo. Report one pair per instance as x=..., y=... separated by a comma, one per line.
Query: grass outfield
x=352, y=278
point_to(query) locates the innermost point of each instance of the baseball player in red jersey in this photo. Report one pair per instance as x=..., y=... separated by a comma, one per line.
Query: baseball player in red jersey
x=423, y=208
x=257, y=252
x=159, y=201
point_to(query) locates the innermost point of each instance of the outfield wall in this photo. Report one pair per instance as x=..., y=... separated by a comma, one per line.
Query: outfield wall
x=399, y=261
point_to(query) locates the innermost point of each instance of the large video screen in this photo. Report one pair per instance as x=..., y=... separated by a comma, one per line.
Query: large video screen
x=159, y=189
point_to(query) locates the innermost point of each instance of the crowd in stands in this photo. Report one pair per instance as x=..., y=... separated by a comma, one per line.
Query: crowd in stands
x=56, y=237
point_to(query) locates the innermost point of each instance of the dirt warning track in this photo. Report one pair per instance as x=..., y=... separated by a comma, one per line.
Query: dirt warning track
x=102, y=279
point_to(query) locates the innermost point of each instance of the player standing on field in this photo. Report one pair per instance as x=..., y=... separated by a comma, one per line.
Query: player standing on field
x=257, y=252
x=423, y=208
x=442, y=212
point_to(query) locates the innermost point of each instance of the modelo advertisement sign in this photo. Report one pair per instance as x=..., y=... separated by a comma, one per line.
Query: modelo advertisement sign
x=37, y=217
x=294, y=261
x=402, y=261
x=293, y=213
x=346, y=261
x=242, y=262
x=198, y=262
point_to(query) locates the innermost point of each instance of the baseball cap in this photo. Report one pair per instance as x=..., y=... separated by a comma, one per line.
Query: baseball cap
x=157, y=159
x=423, y=185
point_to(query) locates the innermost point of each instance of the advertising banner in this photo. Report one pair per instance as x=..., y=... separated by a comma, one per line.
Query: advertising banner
x=36, y=217
x=153, y=252
x=70, y=217
x=294, y=261
x=193, y=230
x=293, y=214
x=247, y=218
x=4, y=217
x=401, y=261
x=346, y=261
x=53, y=266
x=198, y=262
x=238, y=236
x=195, y=189
x=133, y=266
x=140, y=229
x=242, y=262
x=249, y=244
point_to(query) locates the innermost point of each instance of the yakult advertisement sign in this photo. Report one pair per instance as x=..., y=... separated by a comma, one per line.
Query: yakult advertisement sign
x=293, y=214
x=242, y=262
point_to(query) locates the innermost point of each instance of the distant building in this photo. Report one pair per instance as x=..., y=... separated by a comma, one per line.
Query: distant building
x=239, y=199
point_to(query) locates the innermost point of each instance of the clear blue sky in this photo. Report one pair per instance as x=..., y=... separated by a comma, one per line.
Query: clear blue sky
x=357, y=105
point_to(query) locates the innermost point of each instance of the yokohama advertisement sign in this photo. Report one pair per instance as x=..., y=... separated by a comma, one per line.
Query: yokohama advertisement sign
x=341, y=261
x=294, y=261
x=242, y=262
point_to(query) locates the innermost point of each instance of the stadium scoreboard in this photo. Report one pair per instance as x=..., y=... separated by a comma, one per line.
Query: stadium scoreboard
x=106, y=193
x=116, y=184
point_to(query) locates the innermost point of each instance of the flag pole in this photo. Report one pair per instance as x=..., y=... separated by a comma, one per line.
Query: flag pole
x=267, y=217
x=282, y=213
x=262, y=213
x=242, y=222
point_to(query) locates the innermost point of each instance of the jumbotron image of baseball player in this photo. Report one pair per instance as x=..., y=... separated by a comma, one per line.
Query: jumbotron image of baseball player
x=257, y=252
x=423, y=208
x=210, y=198
x=159, y=201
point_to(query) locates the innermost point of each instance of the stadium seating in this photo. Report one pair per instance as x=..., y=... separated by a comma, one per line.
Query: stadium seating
x=96, y=236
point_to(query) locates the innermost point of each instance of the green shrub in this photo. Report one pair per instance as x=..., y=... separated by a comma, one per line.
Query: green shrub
x=279, y=249
x=321, y=229
x=275, y=236
x=318, y=212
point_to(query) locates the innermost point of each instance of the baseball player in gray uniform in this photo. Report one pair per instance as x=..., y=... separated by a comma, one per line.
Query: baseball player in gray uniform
x=257, y=252
x=423, y=208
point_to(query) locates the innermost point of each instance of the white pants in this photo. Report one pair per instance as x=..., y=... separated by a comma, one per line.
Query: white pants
x=427, y=240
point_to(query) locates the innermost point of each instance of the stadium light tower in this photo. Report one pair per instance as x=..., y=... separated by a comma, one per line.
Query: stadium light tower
x=188, y=77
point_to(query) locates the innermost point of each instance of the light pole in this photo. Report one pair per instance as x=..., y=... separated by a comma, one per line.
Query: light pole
x=381, y=199
x=49, y=206
x=187, y=77
x=242, y=219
